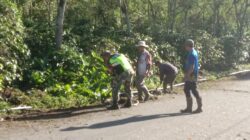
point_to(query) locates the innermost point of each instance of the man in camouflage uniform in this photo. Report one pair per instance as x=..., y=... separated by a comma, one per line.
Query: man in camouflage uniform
x=122, y=72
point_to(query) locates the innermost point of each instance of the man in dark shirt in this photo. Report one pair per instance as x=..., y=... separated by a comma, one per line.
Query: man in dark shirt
x=167, y=73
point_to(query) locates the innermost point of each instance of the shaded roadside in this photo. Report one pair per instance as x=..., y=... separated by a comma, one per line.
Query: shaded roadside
x=71, y=112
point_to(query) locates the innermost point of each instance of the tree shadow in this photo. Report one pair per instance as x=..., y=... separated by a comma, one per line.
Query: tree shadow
x=132, y=119
x=62, y=113
x=243, y=76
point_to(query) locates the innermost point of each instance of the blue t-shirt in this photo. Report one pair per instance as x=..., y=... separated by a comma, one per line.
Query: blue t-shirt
x=193, y=59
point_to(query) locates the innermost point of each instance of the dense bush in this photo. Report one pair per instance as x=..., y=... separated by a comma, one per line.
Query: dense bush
x=70, y=72
x=211, y=51
x=230, y=50
x=13, y=51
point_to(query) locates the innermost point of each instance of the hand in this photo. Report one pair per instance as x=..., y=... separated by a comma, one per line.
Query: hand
x=149, y=73
x=186, y=78
x=110, y=71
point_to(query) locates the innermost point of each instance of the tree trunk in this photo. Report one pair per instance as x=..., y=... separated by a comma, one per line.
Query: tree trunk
x=241, y=17
x=49, y=12
x=152, y=16
x=216, y=17
x=59, y=22
x=171, y=15
x=48, y=4
x=125, y=14
x=186, y=22
x=241, y=20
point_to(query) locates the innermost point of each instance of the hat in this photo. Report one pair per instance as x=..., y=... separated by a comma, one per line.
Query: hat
x=142, y=44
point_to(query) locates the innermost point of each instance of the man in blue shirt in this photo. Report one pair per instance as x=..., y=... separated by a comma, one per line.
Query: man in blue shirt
x=191, y=78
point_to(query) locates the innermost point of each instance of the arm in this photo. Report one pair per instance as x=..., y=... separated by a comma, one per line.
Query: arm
x=148, y=68
x=189, y=72
x=190, y=69
x=161, y=76
x=110, y=69
x=149, y=64
x=108, y=66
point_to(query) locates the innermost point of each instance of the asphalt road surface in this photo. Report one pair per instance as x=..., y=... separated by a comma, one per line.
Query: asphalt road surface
x=226, y=116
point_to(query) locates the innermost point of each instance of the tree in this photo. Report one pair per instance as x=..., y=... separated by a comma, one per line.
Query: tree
x=124, y=10
x=13, y=52
x=59, y=22
x=241, y=7
x=172, y=8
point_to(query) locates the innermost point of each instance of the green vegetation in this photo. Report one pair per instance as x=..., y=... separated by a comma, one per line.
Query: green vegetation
x=36, y=70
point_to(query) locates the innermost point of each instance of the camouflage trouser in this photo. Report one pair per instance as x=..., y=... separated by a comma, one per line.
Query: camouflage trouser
x=123, y=79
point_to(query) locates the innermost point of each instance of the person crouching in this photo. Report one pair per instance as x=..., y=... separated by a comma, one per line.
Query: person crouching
x=122, y=72
x=167, y=73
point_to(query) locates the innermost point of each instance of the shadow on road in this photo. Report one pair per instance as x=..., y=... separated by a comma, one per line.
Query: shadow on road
x=243, y=76
x=63, y=113
x=133, y=119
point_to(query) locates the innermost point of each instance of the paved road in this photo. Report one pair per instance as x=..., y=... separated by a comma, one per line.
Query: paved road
x=226, y=116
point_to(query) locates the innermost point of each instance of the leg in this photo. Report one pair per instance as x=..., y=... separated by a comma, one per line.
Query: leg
x=172, y=82
x=146, y=92
x=171, y=86
x=142, y=88
x=139, y=80
x=165, y=85
x=116, y=85
x=189, y=100
x=127, y=86
x=197, y=96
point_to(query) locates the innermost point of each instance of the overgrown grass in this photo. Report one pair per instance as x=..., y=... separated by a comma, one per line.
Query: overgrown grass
x=42, y=101
x=213, y=75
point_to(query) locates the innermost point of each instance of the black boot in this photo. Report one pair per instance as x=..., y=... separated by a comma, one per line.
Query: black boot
x=140, y=98
x=114, y=106
x=199, y=104
x=189, y=106
x=128, y=104
x=149, y=96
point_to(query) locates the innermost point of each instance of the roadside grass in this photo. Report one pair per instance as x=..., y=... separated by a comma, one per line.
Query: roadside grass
x=41, y=101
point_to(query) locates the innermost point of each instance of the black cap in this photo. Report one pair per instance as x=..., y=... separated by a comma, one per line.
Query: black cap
x=189, y=42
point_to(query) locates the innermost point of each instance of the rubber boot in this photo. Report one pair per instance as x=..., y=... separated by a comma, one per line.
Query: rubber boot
x=189, y=106
x=114, y=106
x=199, y=104
x=148, y=96
x=164, y=91
x=128, y=104
x=140, y=98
